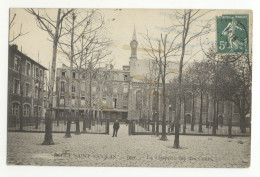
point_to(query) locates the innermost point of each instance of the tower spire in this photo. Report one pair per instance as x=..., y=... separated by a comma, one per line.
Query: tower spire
x=134, y=35
x=134, y=45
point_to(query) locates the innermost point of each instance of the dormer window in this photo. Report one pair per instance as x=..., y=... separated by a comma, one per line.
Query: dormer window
x=63, y=74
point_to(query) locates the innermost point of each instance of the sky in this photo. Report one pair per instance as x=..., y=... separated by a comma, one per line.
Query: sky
x=120, y=26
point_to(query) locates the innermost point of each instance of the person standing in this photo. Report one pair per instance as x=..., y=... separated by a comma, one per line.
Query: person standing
x=115, y=127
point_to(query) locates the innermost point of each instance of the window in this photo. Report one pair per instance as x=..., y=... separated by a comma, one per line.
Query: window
x=155, y=102
x=36, y=92
x=27, y=89
x=41, y=73
x=17, y=62
x=125, y=77
x=235, y=109
x=28, y=69
x=74, y=75
x=138, y=100
x=83, y=75
x=62, y=100
x=82, y=103
x=204, y=104
x=62, y=86
x=63, y=74
x=73, y=88
x=15, y=109
x=114, y=102
x=73, y=100
x=39, y=112
x=125, y=88
x=35, y=111
x=125, y=102
x=221, y=107
x=26, y=110
x=116, y=76
x=36, y=72
x=16, y=86
x=188, y=104
x=104, y=101
x=82, y=87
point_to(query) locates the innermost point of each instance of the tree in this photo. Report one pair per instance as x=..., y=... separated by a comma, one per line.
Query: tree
x=186, y=20
x=161, y=52
x=11, y=25
x=55, y=30
x=84, y=46
x=200, y=75
x=236, y=85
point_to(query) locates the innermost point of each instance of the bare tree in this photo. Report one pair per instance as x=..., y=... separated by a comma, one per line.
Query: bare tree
x=85, y=48
x=11, y=25
x=186, y=21
x=54, y=28
x=162, y=52
x=199, y=72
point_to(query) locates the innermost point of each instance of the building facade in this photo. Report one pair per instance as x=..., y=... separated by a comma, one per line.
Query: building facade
x=26, y=83
x=131, y=93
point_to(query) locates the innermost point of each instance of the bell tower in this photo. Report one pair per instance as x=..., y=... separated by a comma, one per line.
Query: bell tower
x=134, y=45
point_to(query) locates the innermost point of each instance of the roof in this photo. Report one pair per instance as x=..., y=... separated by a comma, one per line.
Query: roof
x=14, y=48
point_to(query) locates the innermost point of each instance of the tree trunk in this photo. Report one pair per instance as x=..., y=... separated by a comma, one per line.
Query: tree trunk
x=78, y=115
x=77, y=124
x=68, y=135
x=90, y=96
x=214, y=118
x=177, y=124
x=207, y=116
x=193, y=113
x=201, y=103
x=48, y=129
x=230, y=121
x=164, y=137
x=157, y=106
x=243, y=124
x=186, y=20
x=84, y=122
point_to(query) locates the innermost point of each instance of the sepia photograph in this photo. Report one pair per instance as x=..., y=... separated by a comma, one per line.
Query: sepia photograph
x=121, y=87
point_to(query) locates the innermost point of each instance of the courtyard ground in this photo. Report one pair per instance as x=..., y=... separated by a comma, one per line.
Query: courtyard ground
x=127, y=151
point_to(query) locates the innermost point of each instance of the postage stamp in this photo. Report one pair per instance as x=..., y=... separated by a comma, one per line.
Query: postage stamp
x=232, y=33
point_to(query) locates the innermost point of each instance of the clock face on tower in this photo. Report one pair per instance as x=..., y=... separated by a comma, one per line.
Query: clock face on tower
x=134, y=44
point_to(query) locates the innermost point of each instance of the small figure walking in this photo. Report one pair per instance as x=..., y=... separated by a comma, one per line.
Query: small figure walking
x=115, y=127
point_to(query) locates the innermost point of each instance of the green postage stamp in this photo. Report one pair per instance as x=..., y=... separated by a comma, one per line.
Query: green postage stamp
x=232, y=33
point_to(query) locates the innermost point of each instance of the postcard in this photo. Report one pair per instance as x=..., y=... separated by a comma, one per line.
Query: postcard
x=129, y=87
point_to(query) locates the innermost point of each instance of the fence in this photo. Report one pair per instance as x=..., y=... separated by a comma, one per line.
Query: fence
x=145, y=128
x=34, y=124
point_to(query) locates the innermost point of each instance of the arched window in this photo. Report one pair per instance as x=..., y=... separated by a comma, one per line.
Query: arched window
x=62, y=100
x=15, y=109
x=62, y=86
x=73, y=88
x=138, y=100
x=205, y=103
x=26, y=110
x=155, y=102
x=35, y=110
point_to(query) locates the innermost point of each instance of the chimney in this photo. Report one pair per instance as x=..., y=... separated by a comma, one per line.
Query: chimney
x=14, y=46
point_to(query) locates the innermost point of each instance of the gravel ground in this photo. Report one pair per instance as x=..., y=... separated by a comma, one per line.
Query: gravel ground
x=128, y=151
